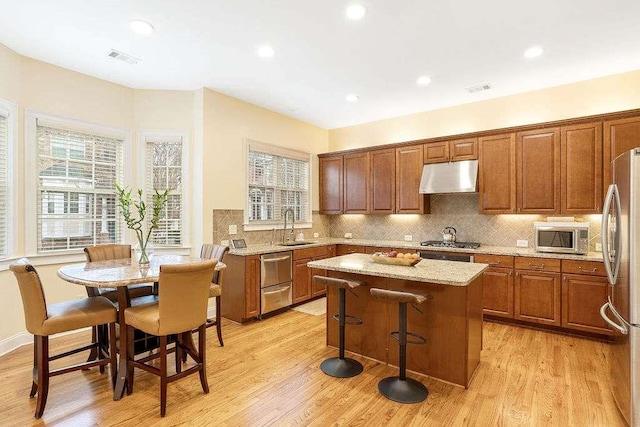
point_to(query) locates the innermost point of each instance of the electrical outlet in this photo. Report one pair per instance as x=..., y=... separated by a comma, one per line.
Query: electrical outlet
x=598, y=247
x=348, y=235
x=408, y=237
x=233, y=229
x=522, y=243
x=224, y=242
x=316, y=234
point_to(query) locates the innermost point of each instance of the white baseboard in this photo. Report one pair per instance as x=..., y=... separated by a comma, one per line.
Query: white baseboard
x=7, y=345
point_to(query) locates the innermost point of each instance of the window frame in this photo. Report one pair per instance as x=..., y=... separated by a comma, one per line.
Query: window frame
x=10, y=111
x=143, y=136
x=282, y=152
x=31, y=179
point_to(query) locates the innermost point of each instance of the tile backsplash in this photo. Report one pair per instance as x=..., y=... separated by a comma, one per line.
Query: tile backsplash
x=459, y=211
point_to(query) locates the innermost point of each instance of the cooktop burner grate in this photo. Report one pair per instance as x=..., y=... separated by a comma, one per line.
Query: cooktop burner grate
x=441, y=244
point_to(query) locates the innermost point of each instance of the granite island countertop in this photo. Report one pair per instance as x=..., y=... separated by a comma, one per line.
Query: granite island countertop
x=483, y=249
x=431, y=271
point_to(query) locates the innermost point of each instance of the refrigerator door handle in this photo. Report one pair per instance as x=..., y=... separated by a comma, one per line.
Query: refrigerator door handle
x=620, y=328
x=612, y=270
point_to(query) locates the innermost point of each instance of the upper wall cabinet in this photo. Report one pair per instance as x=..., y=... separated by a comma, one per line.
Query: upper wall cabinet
x=538, y=171
x=497, y=174
x=619, y=136
x=581, y=154
x=331, y=184
x=356, y=183
x=383, y=181
x=451, y=151
x=408, y=173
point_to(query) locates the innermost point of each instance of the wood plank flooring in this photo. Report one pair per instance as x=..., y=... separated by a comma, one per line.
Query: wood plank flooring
x=268, y=374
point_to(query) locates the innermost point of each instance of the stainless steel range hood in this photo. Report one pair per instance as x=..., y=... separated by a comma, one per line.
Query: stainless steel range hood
x=452, y=177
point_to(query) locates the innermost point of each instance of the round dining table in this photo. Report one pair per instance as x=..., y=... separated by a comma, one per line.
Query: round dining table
x=119, y=274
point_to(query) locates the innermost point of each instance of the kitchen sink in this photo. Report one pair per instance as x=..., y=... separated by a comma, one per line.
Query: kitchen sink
x=298, y=243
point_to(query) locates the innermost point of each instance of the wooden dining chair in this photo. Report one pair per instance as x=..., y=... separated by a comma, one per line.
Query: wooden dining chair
x=217, y=252
x=142, y=293
x=183, y=292
x=43, y=320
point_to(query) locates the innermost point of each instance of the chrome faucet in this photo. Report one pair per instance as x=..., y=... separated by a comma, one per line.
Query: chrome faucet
x=293, y=222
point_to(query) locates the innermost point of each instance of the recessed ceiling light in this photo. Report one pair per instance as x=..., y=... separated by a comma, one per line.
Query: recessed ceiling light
x=266, y=51
x=352, y=97
x=423, y=80
x=533, y=52
x=356, y=11
x=141, y=27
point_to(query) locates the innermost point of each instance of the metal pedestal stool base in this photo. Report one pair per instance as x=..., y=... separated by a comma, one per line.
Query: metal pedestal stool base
x=341, y=368
x=403, y=391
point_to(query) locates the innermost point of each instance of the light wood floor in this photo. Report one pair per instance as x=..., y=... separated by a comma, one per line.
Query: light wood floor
x=268, y=374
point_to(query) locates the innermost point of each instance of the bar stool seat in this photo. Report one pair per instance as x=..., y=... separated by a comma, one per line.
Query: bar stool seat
x=341, y=367
x=400, y=388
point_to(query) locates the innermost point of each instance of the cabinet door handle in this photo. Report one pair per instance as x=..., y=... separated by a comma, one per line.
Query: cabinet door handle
x=593, y=270
x=538, y=267
x=494, y=263
x=511, y=273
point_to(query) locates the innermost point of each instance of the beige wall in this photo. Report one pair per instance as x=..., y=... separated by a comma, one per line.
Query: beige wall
x=10, y=64
x=227, y=123
x=603, y=95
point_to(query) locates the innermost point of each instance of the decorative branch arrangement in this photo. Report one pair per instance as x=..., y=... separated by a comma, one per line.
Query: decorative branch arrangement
x=136, y=222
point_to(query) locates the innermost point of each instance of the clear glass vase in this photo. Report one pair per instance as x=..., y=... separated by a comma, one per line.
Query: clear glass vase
x=143, y=254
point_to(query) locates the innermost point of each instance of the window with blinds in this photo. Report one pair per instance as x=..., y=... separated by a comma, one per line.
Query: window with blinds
x=278, y=179
x=76, y=200
x=164, y=171
x=4, y=185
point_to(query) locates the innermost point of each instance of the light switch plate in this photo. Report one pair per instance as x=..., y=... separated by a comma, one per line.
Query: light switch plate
x=522, y=243
x=233, y=229
x=408, y=237
x=224, y=242
x=598, y=247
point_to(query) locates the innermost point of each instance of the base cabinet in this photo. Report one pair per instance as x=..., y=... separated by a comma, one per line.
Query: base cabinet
x=304, y=287
x=497, y=292
x=241, y=288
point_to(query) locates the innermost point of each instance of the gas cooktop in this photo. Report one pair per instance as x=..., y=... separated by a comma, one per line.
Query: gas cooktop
x=441, y=244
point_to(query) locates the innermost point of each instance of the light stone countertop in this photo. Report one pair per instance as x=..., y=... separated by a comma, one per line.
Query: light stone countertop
x=440, y=272
x=398, y=244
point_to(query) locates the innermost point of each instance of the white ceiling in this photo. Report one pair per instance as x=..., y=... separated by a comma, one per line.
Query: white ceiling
x=321, y=56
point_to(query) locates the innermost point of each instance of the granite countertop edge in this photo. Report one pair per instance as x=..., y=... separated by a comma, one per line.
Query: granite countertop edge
x=260, y=249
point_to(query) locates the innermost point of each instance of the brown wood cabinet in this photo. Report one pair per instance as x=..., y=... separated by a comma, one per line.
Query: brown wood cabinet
x=408, y=173
x=581, y=154
x=537, y=290
x=356, y=183
x=451, y=151
x=619, y=136
x=585, y=289
x=304, y=287
x=383, y=181
x=331, y=184
x=497, y=287
x=538, y=171
x=241, y=288
x=349, y=249
x=497, y=174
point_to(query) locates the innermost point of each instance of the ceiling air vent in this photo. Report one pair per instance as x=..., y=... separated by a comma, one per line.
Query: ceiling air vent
x=120, y=56
x=479, y=88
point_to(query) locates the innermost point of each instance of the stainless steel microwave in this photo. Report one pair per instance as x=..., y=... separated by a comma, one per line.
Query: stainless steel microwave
x=562, y=237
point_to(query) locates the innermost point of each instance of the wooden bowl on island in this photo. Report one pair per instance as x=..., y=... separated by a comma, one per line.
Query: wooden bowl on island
x=381, y=258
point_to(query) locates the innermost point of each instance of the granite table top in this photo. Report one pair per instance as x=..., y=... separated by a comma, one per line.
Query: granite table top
x=431, y=271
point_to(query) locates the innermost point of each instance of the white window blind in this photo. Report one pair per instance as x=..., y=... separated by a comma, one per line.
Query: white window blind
x=76, y=200
x=164, y=171
x=4, y=188
x=278, y=179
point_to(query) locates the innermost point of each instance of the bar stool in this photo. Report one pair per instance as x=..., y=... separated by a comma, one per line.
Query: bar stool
x=402, y=389
x=341, y=367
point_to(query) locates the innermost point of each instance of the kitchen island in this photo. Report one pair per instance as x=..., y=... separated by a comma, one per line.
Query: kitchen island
x=450, y=319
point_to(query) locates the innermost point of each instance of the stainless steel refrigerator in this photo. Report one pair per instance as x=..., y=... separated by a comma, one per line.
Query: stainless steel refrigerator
x=621, y=251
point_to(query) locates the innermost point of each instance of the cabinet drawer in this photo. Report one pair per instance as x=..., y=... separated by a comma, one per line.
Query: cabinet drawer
x=593, y=268
x=542, y=264
x=319, y=251
x=349, y=249
x=502, y=261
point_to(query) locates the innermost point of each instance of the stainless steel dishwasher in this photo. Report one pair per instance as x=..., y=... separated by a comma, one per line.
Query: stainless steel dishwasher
x=276, y=284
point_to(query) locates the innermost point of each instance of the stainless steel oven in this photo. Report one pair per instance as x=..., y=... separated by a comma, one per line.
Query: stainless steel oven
x=275, y=281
